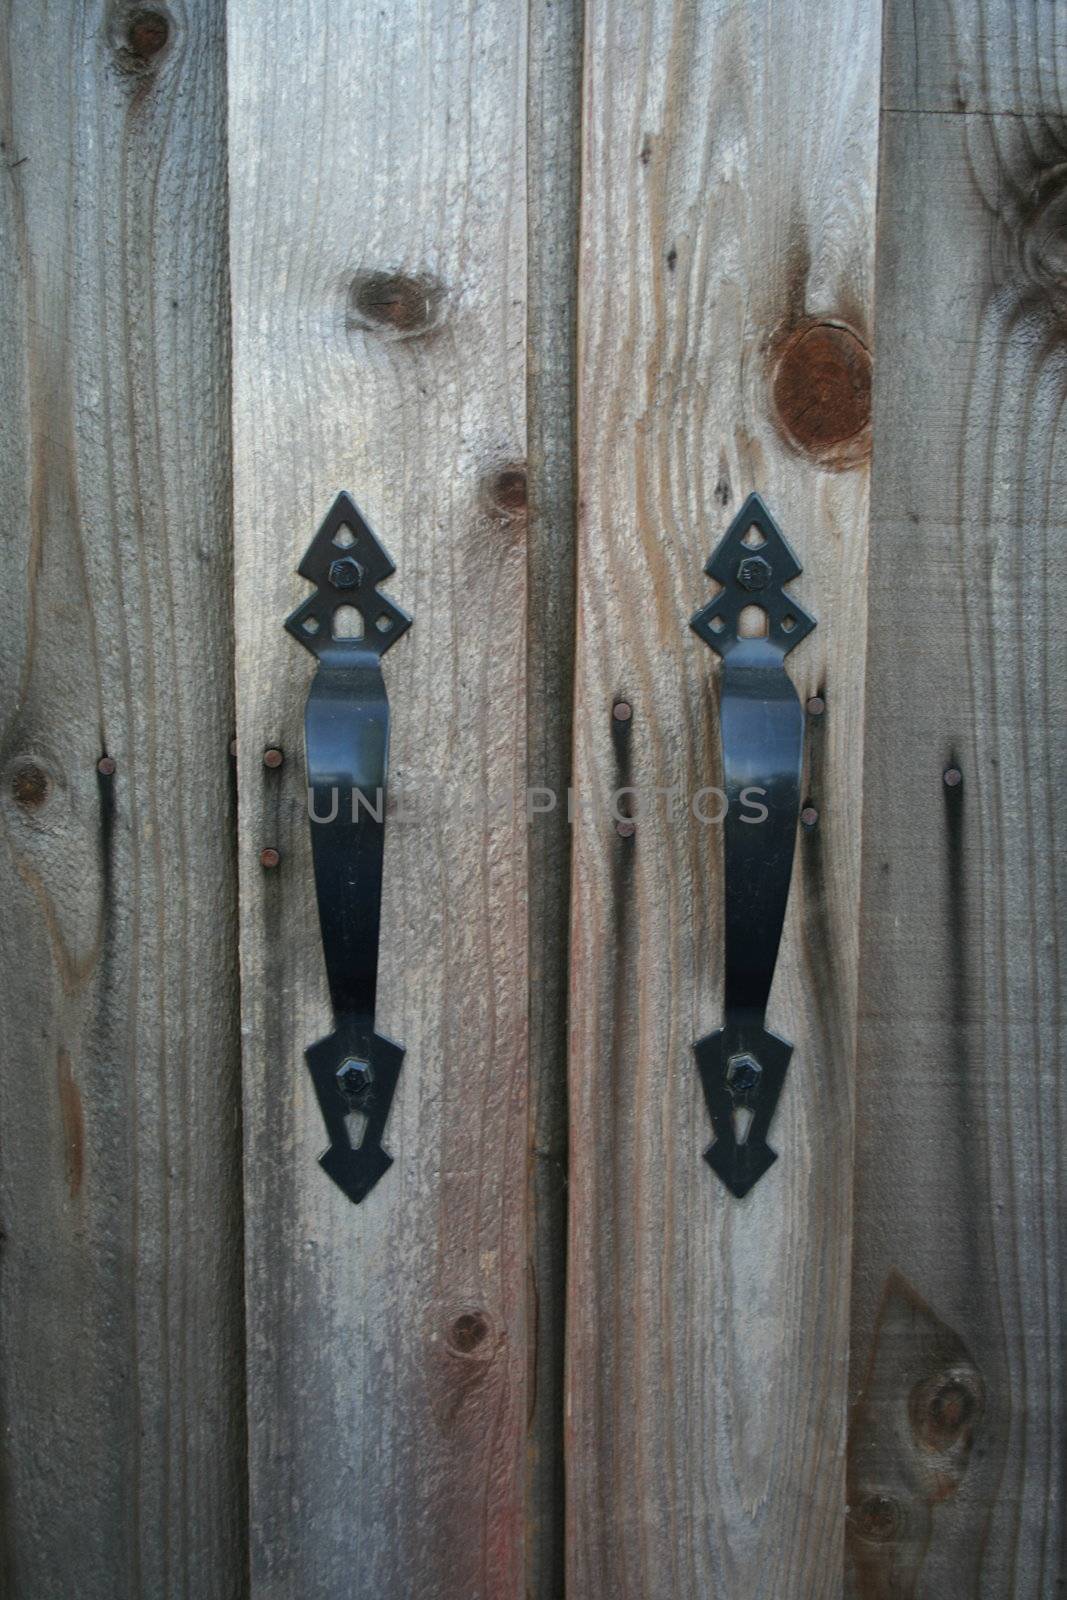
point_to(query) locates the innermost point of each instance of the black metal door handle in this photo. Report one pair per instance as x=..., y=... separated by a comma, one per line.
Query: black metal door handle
x=346, y=729
x=742, y=1066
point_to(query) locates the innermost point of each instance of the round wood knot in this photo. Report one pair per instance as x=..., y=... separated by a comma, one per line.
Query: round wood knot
x=505, y=490
x=822, y=393
x=469, y=1330
x=1043, y=237
x=393, y=305
x=146, y=34
x=139, y=35
x=945, y=1408
x=30, y=786
x=877, y=1517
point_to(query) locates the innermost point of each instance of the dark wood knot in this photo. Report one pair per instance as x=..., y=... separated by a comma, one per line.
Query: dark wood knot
x=394, y=305
x=822, y=393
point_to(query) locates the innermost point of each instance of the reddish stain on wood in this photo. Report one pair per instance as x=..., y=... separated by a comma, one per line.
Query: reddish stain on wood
x=73, y=1119
x=822, y=393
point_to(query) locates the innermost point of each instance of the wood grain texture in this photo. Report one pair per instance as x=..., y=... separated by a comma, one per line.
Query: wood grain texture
x=121, y=1373
x=728, y=200
x=377, y=163
x=957, y=1480
x=553, y=167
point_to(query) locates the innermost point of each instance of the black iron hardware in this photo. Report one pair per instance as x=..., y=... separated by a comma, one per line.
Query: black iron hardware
x=346, y=728
x=742, y=1066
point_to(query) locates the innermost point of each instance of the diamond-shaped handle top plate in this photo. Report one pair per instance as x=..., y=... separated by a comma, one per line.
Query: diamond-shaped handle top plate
x=346, y=561
x=753, y=561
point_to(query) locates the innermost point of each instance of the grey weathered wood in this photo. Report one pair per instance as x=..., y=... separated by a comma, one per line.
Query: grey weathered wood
x=121, y=1381
x=377, y=181
x=554, y=124
x=957, y=1467
x=728, y=198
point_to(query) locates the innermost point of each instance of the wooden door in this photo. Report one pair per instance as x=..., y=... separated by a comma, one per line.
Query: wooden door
x=550, y=288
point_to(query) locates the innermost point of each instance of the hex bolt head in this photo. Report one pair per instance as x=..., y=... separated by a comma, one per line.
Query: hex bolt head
x=754, y=572
x=346, y=573
x=743, y=1072
x=354, y=1080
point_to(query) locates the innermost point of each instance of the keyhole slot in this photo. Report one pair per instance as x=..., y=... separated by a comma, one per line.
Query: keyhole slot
x=356, y=1127
x=347, y=623
x=743, y=1118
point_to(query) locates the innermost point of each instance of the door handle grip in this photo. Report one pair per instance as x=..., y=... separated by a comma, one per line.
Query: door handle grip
x=742, y=1066
x=354, y=1070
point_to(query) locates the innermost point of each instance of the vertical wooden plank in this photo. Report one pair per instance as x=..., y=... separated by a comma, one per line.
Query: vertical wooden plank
x=724, y=327
x=957, y=1471
x=121, y=1378
x=379, y=267
x=553, y=169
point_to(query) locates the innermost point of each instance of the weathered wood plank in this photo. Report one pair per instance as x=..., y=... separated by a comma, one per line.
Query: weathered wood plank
x=121, y=1372
x=728, y=208
x=379, y=271
x=553, y=166
x=956, y=1459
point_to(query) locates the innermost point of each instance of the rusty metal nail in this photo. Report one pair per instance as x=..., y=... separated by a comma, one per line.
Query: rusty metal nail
x=626, y=829
x=269, y=857
x=622, y=711
x=809, y=816
x=953, y=776
x=106, y=765
x=816, y=706
x=272, y=756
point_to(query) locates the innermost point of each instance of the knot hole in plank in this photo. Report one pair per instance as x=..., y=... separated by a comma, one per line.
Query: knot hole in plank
x=139, y=36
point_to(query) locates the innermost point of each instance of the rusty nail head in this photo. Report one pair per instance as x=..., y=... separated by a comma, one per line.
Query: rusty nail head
x=106, y=765
x=953, y=777
x=622, y=711
x=626, y=829
x=809, y=816
x=816, y=706
x=269, y=857
x=272, y=756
